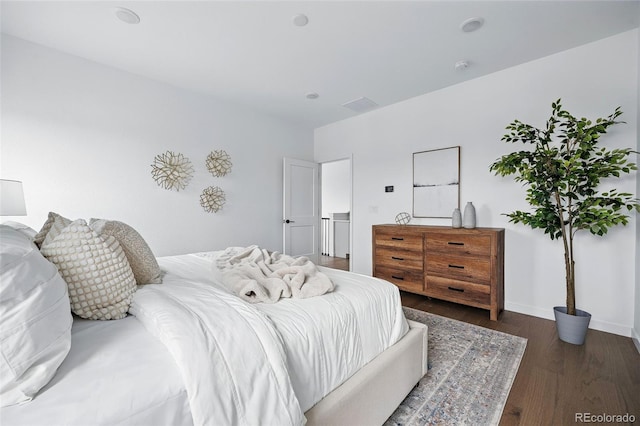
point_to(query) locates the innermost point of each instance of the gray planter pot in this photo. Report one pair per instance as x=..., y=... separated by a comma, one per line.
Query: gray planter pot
x=571, y=328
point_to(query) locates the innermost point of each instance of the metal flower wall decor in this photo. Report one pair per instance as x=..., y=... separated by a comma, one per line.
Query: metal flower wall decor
x=219, y=163
x=171, y=170
x=212, y=199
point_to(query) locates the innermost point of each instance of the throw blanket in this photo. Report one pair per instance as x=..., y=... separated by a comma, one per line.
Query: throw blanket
x=256, y=276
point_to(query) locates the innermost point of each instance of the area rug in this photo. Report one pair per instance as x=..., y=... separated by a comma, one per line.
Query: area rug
x=471, y=370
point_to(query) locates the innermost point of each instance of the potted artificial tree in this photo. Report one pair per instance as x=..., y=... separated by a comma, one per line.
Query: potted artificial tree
x=562, y=167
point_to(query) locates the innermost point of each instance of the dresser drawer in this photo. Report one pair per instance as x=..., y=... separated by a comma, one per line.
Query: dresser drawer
x=475, y=245
x=458, y=291
x=399, y=259
x=406, y=280
x=399, y=239
x=466, y=268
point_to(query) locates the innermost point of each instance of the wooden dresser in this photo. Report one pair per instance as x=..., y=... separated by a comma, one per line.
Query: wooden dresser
x=459, y=265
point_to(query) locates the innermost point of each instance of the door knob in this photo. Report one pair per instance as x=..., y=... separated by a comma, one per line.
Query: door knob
x=289, y=221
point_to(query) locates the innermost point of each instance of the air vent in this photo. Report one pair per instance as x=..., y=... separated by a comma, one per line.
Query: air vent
x=360, y=104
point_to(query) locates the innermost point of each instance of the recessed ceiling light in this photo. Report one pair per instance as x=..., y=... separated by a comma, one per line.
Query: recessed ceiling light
x=128, y=16
x=300, y=20
x=472, y=24
x=312, y=95
x=461, y=65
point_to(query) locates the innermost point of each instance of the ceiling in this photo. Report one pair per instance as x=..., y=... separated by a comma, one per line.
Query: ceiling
x=251, y=53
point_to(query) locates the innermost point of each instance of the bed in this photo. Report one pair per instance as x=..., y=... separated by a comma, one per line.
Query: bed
x=189, y=351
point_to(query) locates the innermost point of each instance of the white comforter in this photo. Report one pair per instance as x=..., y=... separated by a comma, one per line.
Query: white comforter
x=265, y=363
x=230, y=357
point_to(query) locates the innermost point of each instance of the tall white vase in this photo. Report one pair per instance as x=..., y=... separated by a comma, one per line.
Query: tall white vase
x=469, y=217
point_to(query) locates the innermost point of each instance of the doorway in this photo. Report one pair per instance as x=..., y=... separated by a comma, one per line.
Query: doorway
x=337, y=220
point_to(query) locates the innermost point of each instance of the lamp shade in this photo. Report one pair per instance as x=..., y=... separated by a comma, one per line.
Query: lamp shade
x=12, y=198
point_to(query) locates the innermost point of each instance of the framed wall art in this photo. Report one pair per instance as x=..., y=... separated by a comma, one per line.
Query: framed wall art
x=436, y=182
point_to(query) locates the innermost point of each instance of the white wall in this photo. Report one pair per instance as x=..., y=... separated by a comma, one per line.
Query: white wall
x=336, y=192
x=336, y=198
x=591, y=80
x=82, y=137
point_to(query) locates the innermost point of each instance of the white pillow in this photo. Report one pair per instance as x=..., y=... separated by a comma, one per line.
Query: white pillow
x=25, y=229
x=35, y=330
x=100, y=280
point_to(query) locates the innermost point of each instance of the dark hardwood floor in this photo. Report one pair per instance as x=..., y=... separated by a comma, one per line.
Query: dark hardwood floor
x=334, y=262
x=557, y=380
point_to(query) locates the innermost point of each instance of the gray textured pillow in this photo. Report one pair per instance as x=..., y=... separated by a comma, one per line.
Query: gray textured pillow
x=143, y=263
x=98, y=275
x=40, y=236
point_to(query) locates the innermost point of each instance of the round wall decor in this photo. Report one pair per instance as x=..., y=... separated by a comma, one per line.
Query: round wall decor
x=212, y=199
x=219, y=163
x=172, y=170
x=403, y=218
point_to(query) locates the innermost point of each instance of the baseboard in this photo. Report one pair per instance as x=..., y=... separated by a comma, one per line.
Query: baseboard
x=595, y=324
x=636, y=339
x=529, y=310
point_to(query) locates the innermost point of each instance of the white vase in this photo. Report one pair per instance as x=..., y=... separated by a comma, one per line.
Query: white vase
x=456, y=218
x=469, y=218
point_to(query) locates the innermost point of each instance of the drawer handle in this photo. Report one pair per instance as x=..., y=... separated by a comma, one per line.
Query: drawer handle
x=453, y=243
x=461, y=290
x=397, y=278
x=397, y=258
x=397, y=238
x=456, y=266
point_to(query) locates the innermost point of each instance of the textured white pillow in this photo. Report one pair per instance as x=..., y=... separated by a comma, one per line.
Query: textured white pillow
x=98, y=275
x=55, y=228
x=35, y=326
x=143, y=263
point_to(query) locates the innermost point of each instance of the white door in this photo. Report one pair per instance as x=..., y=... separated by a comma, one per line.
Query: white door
x=301, y=221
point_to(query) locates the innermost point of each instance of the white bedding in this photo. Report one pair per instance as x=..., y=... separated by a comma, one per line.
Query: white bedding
x=118, y=373
x=115, y=374
x=333, y=335
x=229, y=355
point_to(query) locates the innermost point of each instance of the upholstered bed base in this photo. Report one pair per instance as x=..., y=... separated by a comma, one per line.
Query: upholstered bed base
x=371, y=395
